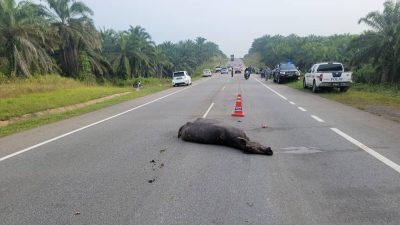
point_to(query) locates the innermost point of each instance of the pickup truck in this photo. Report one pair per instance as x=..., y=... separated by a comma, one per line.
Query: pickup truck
x=327, y=75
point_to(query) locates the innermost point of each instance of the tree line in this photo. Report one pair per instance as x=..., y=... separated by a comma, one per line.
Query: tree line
x=60, y=36
x=374, y=55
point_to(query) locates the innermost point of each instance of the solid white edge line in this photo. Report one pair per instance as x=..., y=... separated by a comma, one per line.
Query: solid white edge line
x=318, y=119
x=88, y=126
x=302, y=109
x=208, y=110
x=370, y=151
x=271, y=89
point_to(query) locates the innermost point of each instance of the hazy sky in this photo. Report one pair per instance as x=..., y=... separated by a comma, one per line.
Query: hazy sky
x=233, y=24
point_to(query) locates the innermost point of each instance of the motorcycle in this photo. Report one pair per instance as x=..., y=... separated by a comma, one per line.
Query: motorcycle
x=247, y=75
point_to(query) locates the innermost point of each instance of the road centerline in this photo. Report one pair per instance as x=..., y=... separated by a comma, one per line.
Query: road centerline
x=302, y=109
x=370, y=151
x=318, y=119
x=208, y=110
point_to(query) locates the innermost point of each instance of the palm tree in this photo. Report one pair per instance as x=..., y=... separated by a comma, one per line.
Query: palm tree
x=161, y=62
x=77, y=34
x=121, y=56
x=24, y=35
x=382, y=43
x=142, y=51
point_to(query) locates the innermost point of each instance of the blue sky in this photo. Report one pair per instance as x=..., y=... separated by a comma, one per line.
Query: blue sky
x=233, y=24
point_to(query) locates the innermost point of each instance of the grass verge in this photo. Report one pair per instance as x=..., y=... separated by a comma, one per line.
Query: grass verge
x=34, y=102
x=382, y=100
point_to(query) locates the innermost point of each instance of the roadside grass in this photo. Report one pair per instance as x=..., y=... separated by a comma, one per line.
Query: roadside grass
x=64, y=92
x=36, y=102
x=36, y=84
x=361, y=96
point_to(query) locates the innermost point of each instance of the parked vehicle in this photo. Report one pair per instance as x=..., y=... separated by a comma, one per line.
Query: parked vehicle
x=207, y=73
x=327, y=75
x=181, y=78
x=224, y=70
x=218, y=69
x=285, y=72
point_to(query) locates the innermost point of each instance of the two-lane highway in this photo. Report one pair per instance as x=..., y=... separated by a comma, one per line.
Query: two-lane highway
x=125, y=164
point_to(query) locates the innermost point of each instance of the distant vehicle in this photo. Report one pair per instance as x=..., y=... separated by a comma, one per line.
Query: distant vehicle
x=327, y=75
x=238, y=70
x=207, y=73
x=218, y=69
x=224, y=70
x=285, y=72
x=181, y=78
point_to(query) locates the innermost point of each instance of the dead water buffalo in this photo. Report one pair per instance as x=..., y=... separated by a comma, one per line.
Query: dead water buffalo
x=208, y=131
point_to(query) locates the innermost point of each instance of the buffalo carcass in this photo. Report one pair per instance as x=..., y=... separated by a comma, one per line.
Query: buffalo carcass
x=208, y=131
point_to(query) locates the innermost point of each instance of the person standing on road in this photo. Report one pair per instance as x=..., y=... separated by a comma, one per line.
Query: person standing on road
x=232, y=72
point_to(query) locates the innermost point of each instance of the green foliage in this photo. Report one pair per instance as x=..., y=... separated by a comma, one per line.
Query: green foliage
x=85, y=69
x=303, y=51
x=25, y=38
x=63, y=28
x=374, y=55
x=188, y=55
x=382, y=43
x=366, y=74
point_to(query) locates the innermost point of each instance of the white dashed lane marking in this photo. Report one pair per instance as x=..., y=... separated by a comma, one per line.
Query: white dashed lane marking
x=318, y=119
x=370, y=151
x=208, y=110
x=302, y=109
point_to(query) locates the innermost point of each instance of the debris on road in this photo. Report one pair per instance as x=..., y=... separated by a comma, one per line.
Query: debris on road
x=152, y=181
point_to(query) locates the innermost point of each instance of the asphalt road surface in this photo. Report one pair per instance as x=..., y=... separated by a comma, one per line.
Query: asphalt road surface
x=125, y=165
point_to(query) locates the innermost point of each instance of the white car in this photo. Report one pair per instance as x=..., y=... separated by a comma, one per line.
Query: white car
x=181, y=78
x=327, y=75
x=207, y=73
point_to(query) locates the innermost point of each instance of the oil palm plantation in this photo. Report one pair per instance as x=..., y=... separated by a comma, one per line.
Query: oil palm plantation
x=382, y=42
x=77, y=34
x=132, y=53
x=143, y=51
x=25, y=35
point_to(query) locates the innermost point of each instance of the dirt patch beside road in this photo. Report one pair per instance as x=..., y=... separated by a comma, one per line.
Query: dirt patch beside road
x=388, y=112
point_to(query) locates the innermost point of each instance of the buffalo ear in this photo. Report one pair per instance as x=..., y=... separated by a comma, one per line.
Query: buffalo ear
x=242, y=140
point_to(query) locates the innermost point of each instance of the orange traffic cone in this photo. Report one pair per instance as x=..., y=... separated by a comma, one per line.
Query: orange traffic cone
x=238, y=107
